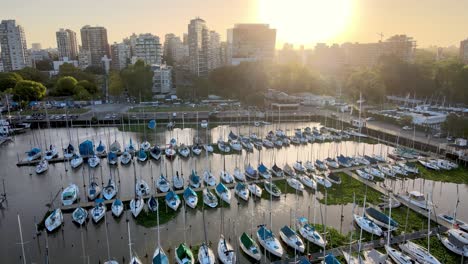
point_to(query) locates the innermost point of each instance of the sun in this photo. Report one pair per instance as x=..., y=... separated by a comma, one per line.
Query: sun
x=305, y=21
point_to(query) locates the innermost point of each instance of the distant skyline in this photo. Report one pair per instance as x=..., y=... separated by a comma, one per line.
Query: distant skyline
x=429, y=22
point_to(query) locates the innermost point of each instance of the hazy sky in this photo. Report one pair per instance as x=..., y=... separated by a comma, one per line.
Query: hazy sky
x=430, y=22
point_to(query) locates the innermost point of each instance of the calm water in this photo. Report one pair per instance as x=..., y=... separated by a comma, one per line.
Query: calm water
x=28, y=195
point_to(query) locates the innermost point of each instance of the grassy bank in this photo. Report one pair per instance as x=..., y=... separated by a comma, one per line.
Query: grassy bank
x=459, y=176
x=343, y=193
x=182, y=108
x=149, y=219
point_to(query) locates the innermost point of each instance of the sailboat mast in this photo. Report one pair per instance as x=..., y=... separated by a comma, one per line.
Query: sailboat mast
x=21, y=238
x=157, y=219
x=129, y=240
x=107, y=237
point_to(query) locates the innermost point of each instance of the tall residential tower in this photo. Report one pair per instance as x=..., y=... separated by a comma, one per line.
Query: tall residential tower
x=94, y=40
x=198, y=42
x=66, y=44
x=14, y=49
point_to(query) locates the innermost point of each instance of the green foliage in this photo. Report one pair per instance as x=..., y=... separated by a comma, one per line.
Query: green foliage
x=138, y=80
x=89, y=86
x=32, y=74
x=456, y=126
x=68, y=69
x=28, y=91
x=368, y=82
x=439, y=251
x=458, y=176
x=95, y=70
x=44, y=65
x=406, y=120
x=116, y=85
x=9, y=80
x=65, y=86
x=80, y=93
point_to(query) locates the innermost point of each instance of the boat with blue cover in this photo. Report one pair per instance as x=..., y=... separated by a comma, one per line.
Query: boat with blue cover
x=269, y=241
x=194, y=180
x=263, y=171
x=172, y=200
x=309, y=232
x=190, y=197
x=380, y=218
x=292, y=239
x=34, y=154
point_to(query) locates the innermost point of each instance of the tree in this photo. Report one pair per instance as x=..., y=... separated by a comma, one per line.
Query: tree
x=95, y=70
x=29, y=73
x=367, y=82
x=89, y=86
x=44, y=65
x=28, y=91
x=9, y=80
x=116, y=85
x=406, y=120
x=65, y=86
x=68, y=69
x=138, y=80
x=81, y=93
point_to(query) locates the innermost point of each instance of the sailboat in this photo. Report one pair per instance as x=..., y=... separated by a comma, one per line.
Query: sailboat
x=263, y=171
x=269, y=241
x=101, y=148
x=34, y=154
x=456, y=241
x=163, y=184
x=125, y=158
x=142, y=188
x=54, y=220
x=98, y=211
x=208, y=178
x=172, y=200
x=255, y=189
x=309, y=232
x=136, y=206
x=117, y=207
x=225, y=251
x=242, y=191
x=141, y=155
x=194, y=180
x=94, y=161
x=307, y=181
x=277, y=171
x=251, y=172
x=368, y=225
x=271, y=188
x=298, y=167
x=292, y=239
x=153, y=204
x=79, y=215
x=42, y=167
x=110, y=260
x=130, y=148
x=250, y=247
x=295, y=184
x=110, y=190
x=418, y=253
x=145, y=145
x=69, y=151
x=112, y=158
x=76, y=161
x=184, y=151
x=190, y=197
x=224, y=174
x=133, y=257
x=70, y=194
x=184, y=255
x=93, y=190
x=223, y=192
x=288, y=171
x=397, y=256
x=197, y=149
x=115, y=147
x=178, y=181
x=209, y=198
x=159, y=256
x=155, y=152
x=51, y=153
x=238, y=174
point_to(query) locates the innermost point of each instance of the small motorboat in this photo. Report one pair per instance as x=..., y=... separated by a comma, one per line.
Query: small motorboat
x=208, y=178
x=76, y=161
x=178, y=181
x=238, y=174
x=271, y=188
x=206, y=255
x=197, y=150
x=69, y=151
x=125, y=158
x=226, y=177
x=223, y=192
x=309, y=232
x=277, y=171
x=190, y=197
x=255, y=189
x=70, y=195
x=242, y=191
x=34, y=154
x=142, y=188
x=194, y=180
x=250, y=247
x=42, y=167
x=184, y=151
x=136, y=206
x=163, y=184
x=112, y=158
x=418, y=253
x=155, y=152
x=292, y=239
x=117, y=207
x=141, y=155
x=251, y=172
x=94, y=161
x=184, y=255
x=321, y=180
x=54, y=220
x=145, y=145
x=367, y=225
x=51, y=153
x=172, y=200
x=210, y=198
x=93, y=191
x=153, y=204
x=226, y=252
x=101, y=148
x=110, y=190
x=295, y=184
x=307, y=181
x=269, y=241
x=288, y=171
x=98, y=211
x=79, y=215
x=263, y=171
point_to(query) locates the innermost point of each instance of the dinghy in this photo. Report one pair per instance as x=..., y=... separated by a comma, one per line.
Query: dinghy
x=263, y=171
x=271, y=188
x=172, y=200
x=190, y=197
x=162, y=184
x=223, y=192
x=136, y=206
x=142, y=188
x=117, y=207
x=208, y=178
x=79, y=215
x=250, y=247
x=54, y=220
x=70, y=194
x=242, y=191
x=153, y=204
x=290, y=237
x=209, y=198
x=98, y=211
x=269, y=241
x=110, y=190
x=184, y=255
x=125, y=158
x=308, y=232
x=194, y=180
x=76, y=161
x=42, y=167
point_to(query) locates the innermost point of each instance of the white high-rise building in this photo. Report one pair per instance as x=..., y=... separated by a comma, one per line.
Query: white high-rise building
x=175, y=50
x=214, y=51
x=13, y=44
x=66, y=44
x=120, y=56
x=198, y=42
x=251, y=42
x=162, y=79
x=148, y=49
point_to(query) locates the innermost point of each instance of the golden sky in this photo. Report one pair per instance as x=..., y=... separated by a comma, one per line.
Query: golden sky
x=430, y=22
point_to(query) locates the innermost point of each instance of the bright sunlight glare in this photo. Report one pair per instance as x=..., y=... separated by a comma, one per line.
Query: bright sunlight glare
x=306, y=21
